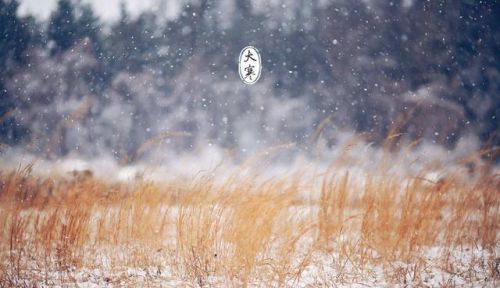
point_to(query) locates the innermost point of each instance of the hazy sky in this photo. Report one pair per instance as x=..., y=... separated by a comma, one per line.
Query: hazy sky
x=108, y=10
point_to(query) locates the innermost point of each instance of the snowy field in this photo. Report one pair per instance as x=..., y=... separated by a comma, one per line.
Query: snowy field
x=337, y=226
x=362, y=150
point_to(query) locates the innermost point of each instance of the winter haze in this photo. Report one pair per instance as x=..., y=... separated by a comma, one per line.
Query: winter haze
x=249, y=143
x=141, y=80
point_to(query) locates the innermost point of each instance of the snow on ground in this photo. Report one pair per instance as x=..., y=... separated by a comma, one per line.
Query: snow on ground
x=325, y=270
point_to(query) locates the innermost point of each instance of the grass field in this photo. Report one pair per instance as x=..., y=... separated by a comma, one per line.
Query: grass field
x=323, y=229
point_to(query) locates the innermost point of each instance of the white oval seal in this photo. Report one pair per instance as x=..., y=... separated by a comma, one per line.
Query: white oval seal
x=250, y=65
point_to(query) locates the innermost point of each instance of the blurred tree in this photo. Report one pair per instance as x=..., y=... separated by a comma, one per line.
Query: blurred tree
x=14, y=35
x=355, y=59
x=14, y=40
x=455, y=45
x=89, y=27
x=63, y=27
x=133, y=43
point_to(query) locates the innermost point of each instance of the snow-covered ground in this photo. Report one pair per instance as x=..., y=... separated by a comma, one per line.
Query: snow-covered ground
x=470, y=267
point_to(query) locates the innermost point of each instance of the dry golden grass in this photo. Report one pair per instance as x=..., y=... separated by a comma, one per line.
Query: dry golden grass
x=249, y=231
